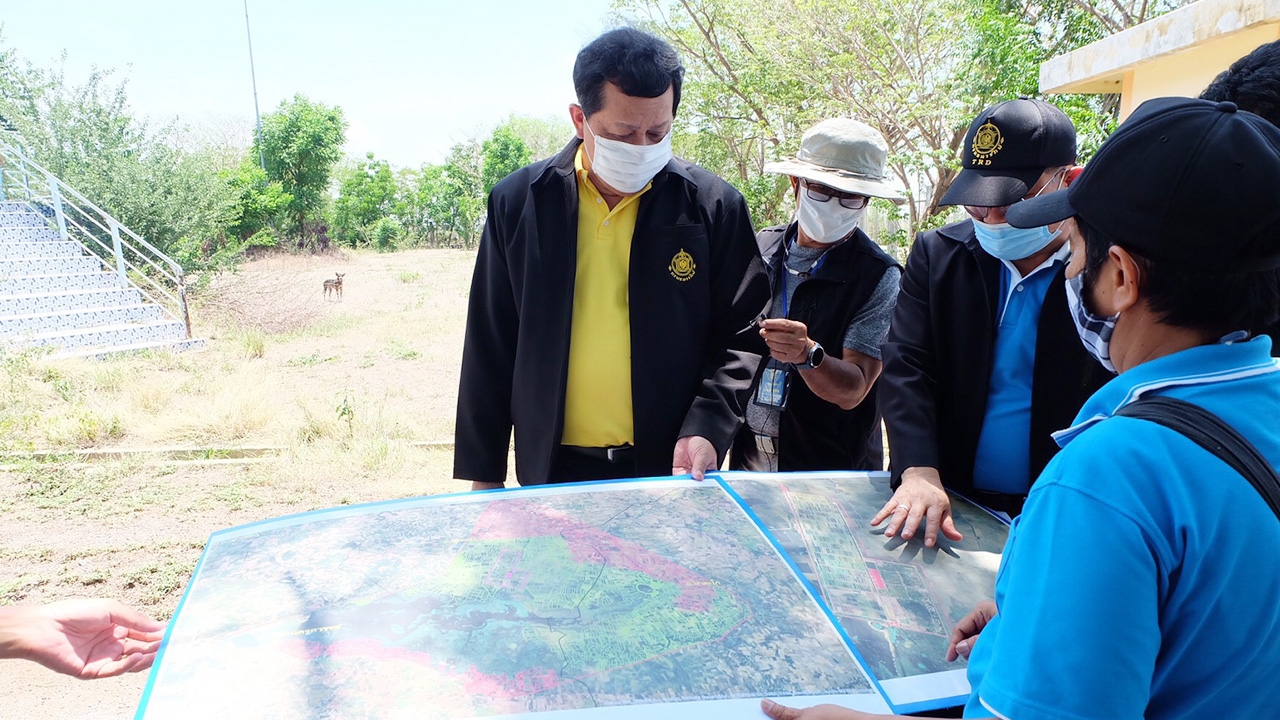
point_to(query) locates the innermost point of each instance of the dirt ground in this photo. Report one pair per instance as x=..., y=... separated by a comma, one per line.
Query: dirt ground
x=351, y=392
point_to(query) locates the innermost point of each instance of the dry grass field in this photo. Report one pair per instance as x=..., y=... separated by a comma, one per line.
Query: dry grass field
x=346, y=395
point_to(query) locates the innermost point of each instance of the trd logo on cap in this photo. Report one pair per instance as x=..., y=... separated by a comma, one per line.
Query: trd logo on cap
x=986, y=143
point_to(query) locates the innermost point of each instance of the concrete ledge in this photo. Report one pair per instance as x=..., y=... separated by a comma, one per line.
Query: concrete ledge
x=1100, y=67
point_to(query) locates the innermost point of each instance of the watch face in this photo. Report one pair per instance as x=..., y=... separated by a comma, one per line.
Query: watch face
x=816, y=356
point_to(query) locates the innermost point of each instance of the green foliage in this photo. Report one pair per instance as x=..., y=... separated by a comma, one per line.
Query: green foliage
x=347, y=413
x=759, y=74
x=504, y=153
x=449, y=200
x=385, y=234
x=259, y=202
x=302, y=141
x=438, y=205
x=367, y=193
x=543, y=137
x=87, y=136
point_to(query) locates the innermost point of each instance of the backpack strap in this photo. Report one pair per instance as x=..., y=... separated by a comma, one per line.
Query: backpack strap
x=1213, y=434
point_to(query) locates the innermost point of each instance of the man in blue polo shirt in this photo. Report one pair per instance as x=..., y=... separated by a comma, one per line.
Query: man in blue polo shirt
x=981, y=363
x=1141, y=579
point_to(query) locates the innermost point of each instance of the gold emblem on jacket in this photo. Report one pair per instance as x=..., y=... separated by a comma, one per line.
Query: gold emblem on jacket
x=682, y=266
x=986, y=143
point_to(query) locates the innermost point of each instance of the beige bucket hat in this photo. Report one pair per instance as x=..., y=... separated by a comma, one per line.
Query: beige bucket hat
x=843, y=154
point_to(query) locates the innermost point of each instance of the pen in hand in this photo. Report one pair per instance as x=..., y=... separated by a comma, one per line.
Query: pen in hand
x=754, y=324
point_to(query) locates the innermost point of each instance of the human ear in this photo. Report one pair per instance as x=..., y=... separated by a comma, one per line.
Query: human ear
x=1125, y=281
x=1072, y=173
x=578, y=118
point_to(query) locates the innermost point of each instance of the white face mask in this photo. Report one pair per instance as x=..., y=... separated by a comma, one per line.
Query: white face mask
x=826, y=222
x=625, y=167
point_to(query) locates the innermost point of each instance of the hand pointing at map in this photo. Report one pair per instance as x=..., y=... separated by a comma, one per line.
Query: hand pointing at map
x=694, y=455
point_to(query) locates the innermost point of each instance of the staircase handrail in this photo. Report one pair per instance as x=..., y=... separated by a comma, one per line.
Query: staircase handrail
x=62, y=197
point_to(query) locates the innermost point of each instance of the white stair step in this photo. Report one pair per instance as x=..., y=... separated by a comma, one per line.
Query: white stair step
x=103, y=336
x=60, y=282
x=81, y=318
x=101, y=353
x=61, y=264
x=24, y=249
x=22, y=219
x=47, y=302
x=29, y=234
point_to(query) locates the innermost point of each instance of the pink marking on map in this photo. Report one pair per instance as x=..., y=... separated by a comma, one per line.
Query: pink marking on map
x=521, y=519
x=876, y=578
x=525, y=682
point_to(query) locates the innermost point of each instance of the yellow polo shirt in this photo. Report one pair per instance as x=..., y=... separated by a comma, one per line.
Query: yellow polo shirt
x=597, y=401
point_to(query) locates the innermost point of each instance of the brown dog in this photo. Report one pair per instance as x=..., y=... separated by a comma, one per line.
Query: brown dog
x=334, y=286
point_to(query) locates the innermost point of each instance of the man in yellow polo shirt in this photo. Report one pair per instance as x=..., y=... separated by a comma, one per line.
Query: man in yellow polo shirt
x=614, y=291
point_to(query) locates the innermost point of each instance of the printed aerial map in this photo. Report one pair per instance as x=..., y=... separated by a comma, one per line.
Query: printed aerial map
x=897, y=600
x=498, y=604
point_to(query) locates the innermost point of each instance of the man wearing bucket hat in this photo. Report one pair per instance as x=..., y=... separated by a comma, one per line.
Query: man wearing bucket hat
x=813, y=405
x=981, y=364
x=1140, y=581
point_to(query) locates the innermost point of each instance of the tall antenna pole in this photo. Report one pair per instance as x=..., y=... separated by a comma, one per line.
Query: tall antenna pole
x=262, y=158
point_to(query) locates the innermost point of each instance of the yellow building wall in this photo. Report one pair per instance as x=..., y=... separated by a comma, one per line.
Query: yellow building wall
x=1187, y=73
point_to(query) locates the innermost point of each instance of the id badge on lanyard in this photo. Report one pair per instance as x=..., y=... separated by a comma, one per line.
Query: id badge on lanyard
x=775, y=382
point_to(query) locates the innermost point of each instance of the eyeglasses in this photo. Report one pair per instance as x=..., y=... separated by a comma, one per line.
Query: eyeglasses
x=981, y=213
x=822, y=193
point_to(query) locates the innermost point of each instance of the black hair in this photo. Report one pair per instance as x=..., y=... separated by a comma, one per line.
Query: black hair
x=1187, y=297
x=1252, y=83
x=640, y=64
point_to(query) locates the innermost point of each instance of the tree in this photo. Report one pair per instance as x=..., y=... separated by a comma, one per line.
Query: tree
x=759, y=74
x=504, y=153
x=259, y=202
x=543, y=136
x=367, y=193
x=302, y=141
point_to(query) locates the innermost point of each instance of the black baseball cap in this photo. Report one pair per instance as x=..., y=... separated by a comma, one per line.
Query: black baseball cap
x=1191, y=182
x=1008, y=146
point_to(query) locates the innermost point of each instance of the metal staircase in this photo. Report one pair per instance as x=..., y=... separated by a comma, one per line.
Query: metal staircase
x=73, y=279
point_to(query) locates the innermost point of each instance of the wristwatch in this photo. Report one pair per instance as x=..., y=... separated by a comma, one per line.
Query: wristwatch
x=816, y=355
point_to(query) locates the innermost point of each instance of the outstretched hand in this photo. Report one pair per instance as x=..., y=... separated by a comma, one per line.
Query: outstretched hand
x=694, y=455
x=82, y=638
x=919, y=497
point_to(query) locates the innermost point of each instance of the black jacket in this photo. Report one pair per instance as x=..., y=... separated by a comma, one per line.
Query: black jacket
x=938, y=358
x=688, y=373
x=814, y=434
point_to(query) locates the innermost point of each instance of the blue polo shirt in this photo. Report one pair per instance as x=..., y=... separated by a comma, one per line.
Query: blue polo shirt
x=1003, y=460
x=1141, y=580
